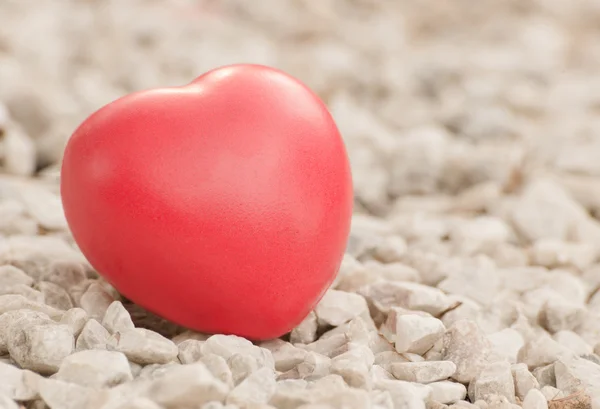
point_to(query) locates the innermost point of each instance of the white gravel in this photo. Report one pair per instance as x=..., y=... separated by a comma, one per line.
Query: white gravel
x=472, y=274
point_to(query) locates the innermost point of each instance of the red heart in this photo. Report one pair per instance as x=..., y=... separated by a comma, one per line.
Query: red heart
x=223, y=205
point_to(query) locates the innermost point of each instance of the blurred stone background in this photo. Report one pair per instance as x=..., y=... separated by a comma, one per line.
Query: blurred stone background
x=430, y=96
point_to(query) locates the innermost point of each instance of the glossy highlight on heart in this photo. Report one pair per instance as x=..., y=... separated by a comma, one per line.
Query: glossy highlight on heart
x=223, y=205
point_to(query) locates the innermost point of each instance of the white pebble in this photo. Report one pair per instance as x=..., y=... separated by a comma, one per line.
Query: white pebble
x=66, y=395
x=507, y=343
x=412, y=296
x=535, y=400
x=13, y=302
x=54, y=295
x=257, y=388
x=306, y=331
x=524, y=380
x=95, y=368
x=11, y=322
x=75, y=318
x=447, y=392
x=495, y=378
x=95, y=301
x=423, y=372
x=143, y=346
x=228, y=345
x=339, y=307
x=465, y=344
x=411, y=332
x=187, y=385
x=190, y=351
x=218, y=366
x=285, y=355
x=93, y=336
x=117, y=318
x=41, y=348
x=11, y=275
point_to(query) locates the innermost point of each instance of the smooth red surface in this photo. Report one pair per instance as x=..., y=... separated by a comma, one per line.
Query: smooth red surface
x=223, y=205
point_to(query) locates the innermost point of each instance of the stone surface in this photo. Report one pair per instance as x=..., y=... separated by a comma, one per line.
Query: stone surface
x=54, y=295
x=117, y=319
x=542, y=351
x=75, y=318
x=535, y=400
x=507, y=343
x=446, y=392
x=143, y=346
x=95, y=300
x=410, y=332
x=495, y=379
x=576, y=374
x=219, y=367
x=423, y=372
x=285, y=355
x=465, y=344
x=11, y=275
x=95, y=368
x=306, y=332
x=524, y=380
x=190, y=351
x=257, y=388
x=187, y=385
x=41, y=348
x=93, y=336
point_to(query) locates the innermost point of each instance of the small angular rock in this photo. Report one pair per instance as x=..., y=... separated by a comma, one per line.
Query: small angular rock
x=65, y=395
x=447, y=392
x=12, y=322
x=95, y=368
x=542, y=351
x=423, y=372
x=140, y=403
x=574, y=342
x=218, y=366
x=535, y=400
x=117, y=318
x=143, y=346
x=190, y=351
x=412, y=296
x=185, y=335
x=465, y=344
x=314, y=366
x=41, y=348
x=75, y=318
x=95, y=301
x=306, y=332
x=257, y=388
x=412, y=333
x=12, y=302
x=67, y=274
x=228, y=345
x=339, y=307
x=285, y=355
x=11, y=275
x=241, y=365
x=495, y=378
x=354, y=367
x=92, y=336
x=524, y=380
x=507, y=343
x=187, y=385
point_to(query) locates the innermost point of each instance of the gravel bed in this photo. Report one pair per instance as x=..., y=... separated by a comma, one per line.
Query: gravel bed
x=472, y=274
